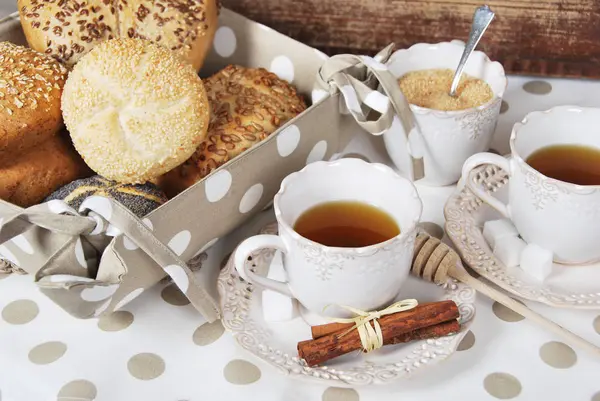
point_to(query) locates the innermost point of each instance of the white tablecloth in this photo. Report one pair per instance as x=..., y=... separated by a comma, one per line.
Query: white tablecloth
x=159, y=349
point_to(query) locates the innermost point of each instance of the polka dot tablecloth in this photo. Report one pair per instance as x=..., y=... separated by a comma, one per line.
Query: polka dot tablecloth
x=159, y=349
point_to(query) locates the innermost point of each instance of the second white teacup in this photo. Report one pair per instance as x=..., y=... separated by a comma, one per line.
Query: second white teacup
x=560, y=216
x=320, y=276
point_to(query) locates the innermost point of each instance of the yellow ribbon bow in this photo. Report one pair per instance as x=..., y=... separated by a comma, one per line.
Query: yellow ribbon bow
x=371, y=337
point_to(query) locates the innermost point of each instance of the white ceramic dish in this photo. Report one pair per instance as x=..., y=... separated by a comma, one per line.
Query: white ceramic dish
x=566, y=287
x=449, y=137
x=275, y=343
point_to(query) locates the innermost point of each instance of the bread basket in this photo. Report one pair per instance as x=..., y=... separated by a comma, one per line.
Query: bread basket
x=94, y=260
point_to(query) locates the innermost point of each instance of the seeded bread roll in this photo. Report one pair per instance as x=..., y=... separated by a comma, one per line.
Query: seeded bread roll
x=68, y=29
x=184, y=26
x=31, y=85
x=247, y=105
x=141, y=199
x=27, y=178
x=134, y=110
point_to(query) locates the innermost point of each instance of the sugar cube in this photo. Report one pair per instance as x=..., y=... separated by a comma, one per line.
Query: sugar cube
x=278, y=307
x=276, y=270
x=508, y=250
x=494, y=230
x=536, y=261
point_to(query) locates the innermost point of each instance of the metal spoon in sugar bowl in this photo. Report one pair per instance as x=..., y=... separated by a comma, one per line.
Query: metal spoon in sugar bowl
x=481, y=20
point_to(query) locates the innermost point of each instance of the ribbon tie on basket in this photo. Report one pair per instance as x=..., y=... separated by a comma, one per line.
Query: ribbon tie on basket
x=373, y=97
x=74, y=241
x=371, y=337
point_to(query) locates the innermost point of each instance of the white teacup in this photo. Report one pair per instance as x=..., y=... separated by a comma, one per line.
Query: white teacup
x=448, y=137
x=319, y=276
x=559, y=216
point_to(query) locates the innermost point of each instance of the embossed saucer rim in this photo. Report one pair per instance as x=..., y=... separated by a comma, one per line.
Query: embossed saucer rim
x=461, y=227
x=252, y=334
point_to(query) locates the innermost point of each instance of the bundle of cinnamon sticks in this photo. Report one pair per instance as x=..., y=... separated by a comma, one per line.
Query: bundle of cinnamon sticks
x=425, y=321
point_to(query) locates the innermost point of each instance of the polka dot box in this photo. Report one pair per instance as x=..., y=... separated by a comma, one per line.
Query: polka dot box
x=197, y=218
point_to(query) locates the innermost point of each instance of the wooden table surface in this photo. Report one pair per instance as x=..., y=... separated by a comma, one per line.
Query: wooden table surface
x=548, y=38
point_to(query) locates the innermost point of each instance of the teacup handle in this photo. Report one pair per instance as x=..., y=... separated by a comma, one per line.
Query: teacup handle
x=486, y=158
x=255, y=243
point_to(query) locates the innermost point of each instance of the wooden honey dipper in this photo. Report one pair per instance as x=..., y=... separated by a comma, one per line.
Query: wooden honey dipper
x=435, y=261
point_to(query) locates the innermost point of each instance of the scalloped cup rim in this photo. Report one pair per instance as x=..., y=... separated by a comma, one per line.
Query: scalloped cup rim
x=540, y=114
x=404, y=233
x=453, y=113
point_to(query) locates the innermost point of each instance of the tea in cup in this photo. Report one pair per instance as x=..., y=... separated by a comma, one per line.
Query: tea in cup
x=450, y=128
x=346, y=230
x=554, y=184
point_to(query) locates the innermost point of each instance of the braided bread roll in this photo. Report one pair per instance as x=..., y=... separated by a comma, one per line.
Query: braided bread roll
x=247, y=105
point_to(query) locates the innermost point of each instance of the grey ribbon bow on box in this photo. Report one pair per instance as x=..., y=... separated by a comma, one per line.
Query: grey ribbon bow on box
x=361, y=79
x=65, y=245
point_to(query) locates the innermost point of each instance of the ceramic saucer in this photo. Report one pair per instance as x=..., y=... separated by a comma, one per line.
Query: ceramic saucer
x=275, y=342
x=567, y=286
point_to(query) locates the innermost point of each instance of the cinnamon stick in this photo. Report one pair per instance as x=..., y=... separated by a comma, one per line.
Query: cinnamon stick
x=330, y=346
x=327, y=329
x=435, y=331
x=330, y=328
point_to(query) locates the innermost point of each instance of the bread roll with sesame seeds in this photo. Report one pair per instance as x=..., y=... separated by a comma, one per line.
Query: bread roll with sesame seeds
x=31, y=85
x=247, y=105
x=134, y=110
x=69, y=29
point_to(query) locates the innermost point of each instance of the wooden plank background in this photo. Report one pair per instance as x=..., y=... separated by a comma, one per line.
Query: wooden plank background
x=547, y=38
